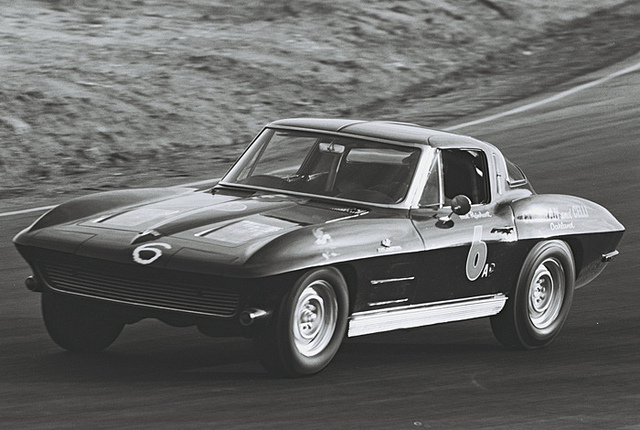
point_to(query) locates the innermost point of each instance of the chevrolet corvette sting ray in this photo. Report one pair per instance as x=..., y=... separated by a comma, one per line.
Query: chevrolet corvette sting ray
x=323, y=229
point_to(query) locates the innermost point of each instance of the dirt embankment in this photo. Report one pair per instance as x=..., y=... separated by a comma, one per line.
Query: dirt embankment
x=112, y=93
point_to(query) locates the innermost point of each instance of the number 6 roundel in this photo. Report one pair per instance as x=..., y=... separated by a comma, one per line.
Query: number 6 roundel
x=477, y=256
x=149, y=247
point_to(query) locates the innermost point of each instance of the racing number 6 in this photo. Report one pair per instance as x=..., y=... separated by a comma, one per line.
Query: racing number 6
x=154, y=248
x=477, y=256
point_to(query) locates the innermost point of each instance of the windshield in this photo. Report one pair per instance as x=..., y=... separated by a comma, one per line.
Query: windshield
x=326, y=165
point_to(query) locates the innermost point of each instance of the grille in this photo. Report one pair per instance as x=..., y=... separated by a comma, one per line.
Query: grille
x=157, y=292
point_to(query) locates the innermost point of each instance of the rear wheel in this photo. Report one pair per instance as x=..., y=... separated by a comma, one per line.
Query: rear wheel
x=77, y=324
x=308, y=326
x=538, y=308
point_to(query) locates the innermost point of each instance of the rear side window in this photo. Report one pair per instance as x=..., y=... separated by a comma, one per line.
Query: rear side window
x=516, y=176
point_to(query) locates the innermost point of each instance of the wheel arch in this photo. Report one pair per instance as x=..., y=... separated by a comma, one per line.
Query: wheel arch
x=577, y=249
x=270, y=291
x=539, y=304
x=590, y=231
x=350, y=275
x=308, y=324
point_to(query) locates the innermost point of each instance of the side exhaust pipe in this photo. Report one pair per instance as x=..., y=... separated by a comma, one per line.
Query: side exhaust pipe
x=32, y=285
x=251, y=315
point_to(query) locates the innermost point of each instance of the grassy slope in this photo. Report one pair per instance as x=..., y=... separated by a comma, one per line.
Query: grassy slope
x=113, y=93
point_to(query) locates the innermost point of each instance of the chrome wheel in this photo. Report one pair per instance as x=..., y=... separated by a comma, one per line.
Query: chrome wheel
x=546, y=294
x=315, y=318
x=308, y=326
x=539, y=303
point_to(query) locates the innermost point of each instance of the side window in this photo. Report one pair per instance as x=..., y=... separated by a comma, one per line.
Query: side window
x=465, y=172
x=516, y=176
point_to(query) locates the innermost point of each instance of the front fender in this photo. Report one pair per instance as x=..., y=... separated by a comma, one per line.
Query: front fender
x=334, y=243
x=85, y=206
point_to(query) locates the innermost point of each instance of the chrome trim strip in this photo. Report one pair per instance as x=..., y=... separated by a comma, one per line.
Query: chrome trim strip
x=347, y=217
x=386, y=281
x=388, y=302
x=410, y=316
x=420, y=176
x=207, y=231
x=609, y=256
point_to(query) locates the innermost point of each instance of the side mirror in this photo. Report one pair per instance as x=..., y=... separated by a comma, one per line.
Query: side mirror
x=460, y=205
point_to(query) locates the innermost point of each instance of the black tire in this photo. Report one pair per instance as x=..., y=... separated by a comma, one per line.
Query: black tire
x=539, y=305
x=77, y=324
x=307, y=327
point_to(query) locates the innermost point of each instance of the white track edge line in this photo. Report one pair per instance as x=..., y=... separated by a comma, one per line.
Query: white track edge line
x=553, y=98
x=520, y=109
x=26, y=211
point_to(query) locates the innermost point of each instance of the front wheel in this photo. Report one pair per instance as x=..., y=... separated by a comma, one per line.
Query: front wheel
x=538, y=307
x=308, y=326
x=77, y=324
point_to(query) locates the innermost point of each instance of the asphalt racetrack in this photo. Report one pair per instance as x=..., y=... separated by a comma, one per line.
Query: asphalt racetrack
x=440, y=377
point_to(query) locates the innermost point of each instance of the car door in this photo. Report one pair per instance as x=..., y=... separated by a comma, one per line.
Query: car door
x=464, y=255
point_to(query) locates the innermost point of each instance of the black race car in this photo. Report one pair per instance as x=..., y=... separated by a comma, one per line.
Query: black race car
x=323, y=229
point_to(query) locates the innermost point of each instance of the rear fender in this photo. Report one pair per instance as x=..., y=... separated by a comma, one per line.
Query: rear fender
x=589, y=229
x=554, y=215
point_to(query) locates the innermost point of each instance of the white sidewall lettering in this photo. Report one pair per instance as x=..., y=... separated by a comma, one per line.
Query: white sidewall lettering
x=155, y=248
x=477, y=256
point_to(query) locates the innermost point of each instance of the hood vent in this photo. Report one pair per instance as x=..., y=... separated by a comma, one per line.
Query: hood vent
x=146, y=236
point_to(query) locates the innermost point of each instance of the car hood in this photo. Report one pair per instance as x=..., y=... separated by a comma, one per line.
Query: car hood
x=226, y=218
x=199, y=231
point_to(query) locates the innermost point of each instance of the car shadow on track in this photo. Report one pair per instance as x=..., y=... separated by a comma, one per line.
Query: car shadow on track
x=195, y=358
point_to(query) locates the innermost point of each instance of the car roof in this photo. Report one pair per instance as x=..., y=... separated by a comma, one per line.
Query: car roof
x=400, y=132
